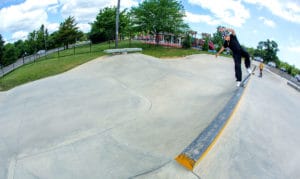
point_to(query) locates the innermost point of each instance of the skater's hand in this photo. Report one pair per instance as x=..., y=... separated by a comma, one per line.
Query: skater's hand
x=217, y=55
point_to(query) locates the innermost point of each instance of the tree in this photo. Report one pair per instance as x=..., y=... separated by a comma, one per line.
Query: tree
x=10, y=54
x=104, y=27
x=187, y=41
x=20, y=48
x=31, y=45
x=53, y=40
x=41, y=37
x=268, y=51
x=251, y=51
x=205, y=46
x=159, y=16
x=68, y=32
x=1, y=49
x=217, y=39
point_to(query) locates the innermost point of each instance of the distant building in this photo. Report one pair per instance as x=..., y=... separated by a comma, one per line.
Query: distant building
x=205, y=35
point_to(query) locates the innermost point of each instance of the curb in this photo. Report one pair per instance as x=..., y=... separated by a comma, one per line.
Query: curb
x=293, y=85
x=191, y=156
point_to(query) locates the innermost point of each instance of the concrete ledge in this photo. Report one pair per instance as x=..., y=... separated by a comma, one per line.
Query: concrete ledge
x=122, y=50
x=197, y=150
x=293, y=85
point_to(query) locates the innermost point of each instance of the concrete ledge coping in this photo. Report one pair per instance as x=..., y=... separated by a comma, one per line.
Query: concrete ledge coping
x=196, y=151
x=293, y=85
x=122, y=50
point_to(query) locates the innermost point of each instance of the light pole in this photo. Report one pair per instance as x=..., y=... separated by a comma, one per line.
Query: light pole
x=117, y=23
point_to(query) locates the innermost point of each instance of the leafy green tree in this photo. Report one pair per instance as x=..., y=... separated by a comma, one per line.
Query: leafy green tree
x=53, y=40
x=159, y=16
x=205, y=45
x=129, y=29
x=1, y=49
x=268, y=51
x=20, y=48
x=68, y=32
x=30, y=43
x=187, y=41
x=41, y=37
x=251, y=51
x=103, y=28
x=217, y=39
x=10, y=54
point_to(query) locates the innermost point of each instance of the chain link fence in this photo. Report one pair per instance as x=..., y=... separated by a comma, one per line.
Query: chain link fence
x=74, y=49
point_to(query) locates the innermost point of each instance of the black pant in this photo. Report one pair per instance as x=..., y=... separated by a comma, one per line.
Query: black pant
x=237, y=57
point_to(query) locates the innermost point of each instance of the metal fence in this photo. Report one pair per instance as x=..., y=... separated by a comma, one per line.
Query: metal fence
x=61, y=52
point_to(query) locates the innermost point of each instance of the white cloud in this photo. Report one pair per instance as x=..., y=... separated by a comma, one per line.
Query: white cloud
x=86, y=11
x=25, y=17
x=196, y=18
x=294, y=49
x=288, y=10
x=84, y=27
x=230, y=11
x=20, y=35
x=31, y=14
x=52, y=27
x=267, y=22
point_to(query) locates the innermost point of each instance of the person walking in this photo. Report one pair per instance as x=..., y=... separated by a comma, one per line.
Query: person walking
x=231, y=41
x=261, y=67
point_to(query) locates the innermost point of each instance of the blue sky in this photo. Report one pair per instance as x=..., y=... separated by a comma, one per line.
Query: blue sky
x=253, y=20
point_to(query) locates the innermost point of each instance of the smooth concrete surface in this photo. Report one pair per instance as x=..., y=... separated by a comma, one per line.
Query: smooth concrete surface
x=123, y=116
x=262, y=139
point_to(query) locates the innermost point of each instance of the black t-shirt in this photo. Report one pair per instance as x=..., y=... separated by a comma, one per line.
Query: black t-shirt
x=233, y=44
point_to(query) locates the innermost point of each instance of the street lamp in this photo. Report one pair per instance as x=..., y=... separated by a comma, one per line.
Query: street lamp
x=117, y=23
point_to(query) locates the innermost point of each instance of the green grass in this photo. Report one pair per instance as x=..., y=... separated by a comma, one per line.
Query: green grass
x=53, y=64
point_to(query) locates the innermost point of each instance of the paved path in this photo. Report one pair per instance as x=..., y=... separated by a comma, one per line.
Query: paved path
x=114, y=117
x=262, y=139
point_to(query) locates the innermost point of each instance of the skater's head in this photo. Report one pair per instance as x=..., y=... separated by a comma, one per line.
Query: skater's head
x=226, y=36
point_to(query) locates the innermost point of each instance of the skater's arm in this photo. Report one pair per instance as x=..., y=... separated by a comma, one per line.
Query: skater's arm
x=231, y=30
x=220, y=51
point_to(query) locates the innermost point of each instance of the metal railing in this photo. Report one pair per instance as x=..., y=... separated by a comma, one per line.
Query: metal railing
x=32, y=58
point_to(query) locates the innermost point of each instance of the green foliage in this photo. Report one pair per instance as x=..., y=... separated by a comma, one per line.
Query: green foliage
x=53, y=40
x=68, y=32
x=42, y=69
x=217, y=39
x=1, y=49
x=251, y=51
x=41, y=38
x=268, y=51
x=103, y=29
x=187, y=41
x=205, y=45
x=10, y=54
x=159, y=16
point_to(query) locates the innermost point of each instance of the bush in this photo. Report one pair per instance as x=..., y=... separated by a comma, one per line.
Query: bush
x=187, y=42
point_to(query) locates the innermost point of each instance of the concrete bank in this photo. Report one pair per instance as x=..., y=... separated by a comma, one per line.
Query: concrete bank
x=124, y=116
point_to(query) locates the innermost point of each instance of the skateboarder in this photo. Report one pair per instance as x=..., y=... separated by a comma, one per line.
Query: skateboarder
x=231, y=41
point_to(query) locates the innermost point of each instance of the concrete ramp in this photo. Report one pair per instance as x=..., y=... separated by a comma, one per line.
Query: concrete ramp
x=121, y=116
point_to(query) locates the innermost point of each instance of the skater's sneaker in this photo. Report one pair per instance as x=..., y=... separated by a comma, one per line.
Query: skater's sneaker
x=238, y=83
x=249, y=70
